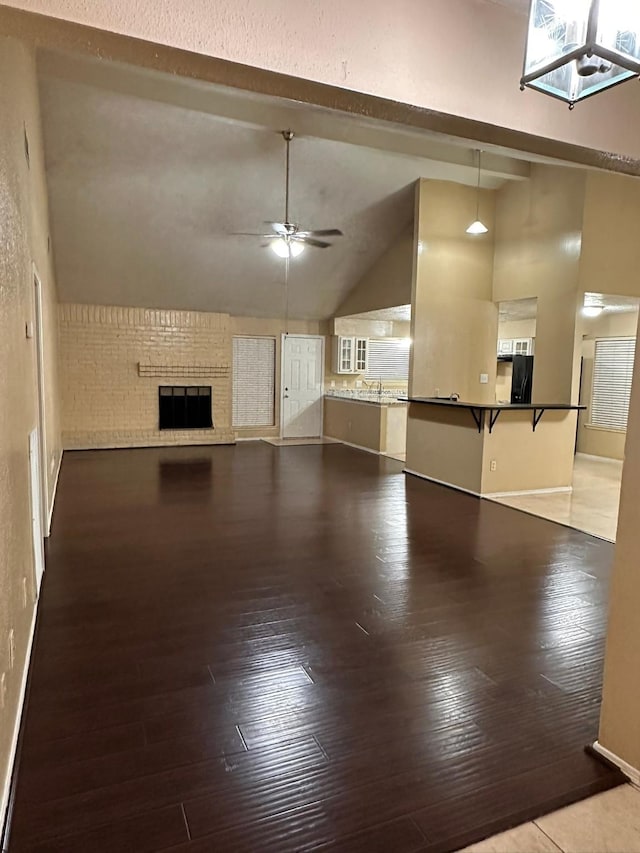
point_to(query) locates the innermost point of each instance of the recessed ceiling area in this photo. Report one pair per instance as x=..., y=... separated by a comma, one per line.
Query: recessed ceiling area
x=513, y=310
x=612, y=304
x=149, y=177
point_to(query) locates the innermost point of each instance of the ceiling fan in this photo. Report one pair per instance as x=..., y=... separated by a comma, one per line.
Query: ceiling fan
x=286, y=238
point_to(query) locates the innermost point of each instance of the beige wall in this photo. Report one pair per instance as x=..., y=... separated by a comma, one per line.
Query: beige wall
x=358, y=423
x=538, y=239
x=601, y=442
x=517, y=329
x=620, y=721
x=388, y=281
x=377, y=427
x=454, y=321
x=526, y=460
x=610, y=245
x=24, y=227
x=370, y=328
x=444, y=444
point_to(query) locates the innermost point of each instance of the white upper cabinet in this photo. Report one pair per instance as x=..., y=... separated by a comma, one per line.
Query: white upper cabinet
x=349, y=354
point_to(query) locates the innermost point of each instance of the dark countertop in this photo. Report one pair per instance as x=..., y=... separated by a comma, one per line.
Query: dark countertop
x=489, y=407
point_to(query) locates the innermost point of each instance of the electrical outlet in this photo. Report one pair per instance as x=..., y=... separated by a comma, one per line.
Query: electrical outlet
x=12, y=648
x=493, y=465
x=484, y=378
x=437, y=393
x=3, y=690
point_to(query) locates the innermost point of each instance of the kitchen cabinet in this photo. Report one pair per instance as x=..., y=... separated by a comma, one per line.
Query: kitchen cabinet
x=515, y=346
x=349, y=354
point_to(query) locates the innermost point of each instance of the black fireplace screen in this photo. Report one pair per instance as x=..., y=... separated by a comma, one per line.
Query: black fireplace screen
x=185, y=407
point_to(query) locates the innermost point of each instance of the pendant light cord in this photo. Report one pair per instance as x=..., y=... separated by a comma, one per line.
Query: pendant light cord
x=478, y=187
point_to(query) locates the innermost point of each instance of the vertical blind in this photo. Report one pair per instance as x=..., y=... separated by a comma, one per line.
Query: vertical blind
x=612, y=375
x=388, y=359
x=254, y=373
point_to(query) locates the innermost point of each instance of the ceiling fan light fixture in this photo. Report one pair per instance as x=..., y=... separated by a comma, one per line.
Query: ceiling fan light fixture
x=287, y=248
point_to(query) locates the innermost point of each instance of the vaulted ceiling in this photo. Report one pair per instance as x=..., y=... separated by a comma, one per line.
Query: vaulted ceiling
x=149, y=177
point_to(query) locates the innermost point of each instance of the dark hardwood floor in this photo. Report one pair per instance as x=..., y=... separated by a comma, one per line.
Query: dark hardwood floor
x=280, y=649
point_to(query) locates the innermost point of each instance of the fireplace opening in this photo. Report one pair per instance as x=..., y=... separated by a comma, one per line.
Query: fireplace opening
x=185, y=406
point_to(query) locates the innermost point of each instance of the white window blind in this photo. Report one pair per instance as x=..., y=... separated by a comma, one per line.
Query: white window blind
x=254, y=372
x=388, y=359
x=612, y=374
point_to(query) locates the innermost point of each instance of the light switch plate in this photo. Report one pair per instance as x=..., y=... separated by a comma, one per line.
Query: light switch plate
x=28, y=328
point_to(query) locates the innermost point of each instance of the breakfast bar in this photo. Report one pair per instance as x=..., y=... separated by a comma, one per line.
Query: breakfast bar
x=461, y=444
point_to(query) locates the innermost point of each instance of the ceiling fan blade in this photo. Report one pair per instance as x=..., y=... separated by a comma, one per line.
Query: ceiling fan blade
x=278, y=227
x=309, y=241
x=323, y=232
x=254, y=234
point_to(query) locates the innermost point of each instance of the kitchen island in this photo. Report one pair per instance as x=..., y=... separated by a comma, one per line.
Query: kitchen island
x=376, y=422
x=492, y=449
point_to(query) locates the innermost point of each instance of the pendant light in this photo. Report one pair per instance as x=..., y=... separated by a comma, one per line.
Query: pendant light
x=477, y=226
x=577, y=48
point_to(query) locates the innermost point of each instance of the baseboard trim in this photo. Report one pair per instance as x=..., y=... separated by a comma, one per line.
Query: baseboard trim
x=632, y=773
x=553, y=491
x=356, y=446
x=8, y=788
x=441, y=482
x=53, y=494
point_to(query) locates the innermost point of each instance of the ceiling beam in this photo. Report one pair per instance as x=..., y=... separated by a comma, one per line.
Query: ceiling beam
x=48, y=32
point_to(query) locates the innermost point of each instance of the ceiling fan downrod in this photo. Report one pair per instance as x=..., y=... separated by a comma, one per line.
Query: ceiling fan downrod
x=287, y=136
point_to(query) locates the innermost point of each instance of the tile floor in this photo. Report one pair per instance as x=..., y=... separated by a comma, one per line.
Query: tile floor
x=592, y=506
x=606, y=823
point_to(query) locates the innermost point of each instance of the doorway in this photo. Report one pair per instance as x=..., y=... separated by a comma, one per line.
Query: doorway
x=302, y=381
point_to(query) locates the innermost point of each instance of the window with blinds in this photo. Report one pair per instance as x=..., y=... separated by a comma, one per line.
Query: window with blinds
x=388, y=359
x=612, y=375
x=254, y=382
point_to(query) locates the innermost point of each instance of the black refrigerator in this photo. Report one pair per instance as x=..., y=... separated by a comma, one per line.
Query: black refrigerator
x=522, y=379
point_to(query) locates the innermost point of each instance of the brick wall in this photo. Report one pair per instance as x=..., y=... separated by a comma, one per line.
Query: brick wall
x=103, y=351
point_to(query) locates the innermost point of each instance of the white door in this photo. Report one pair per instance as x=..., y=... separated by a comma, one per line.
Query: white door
x=302, y=374
x=36, y=506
